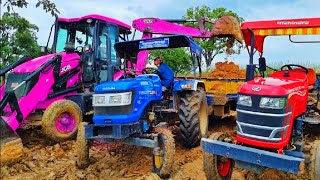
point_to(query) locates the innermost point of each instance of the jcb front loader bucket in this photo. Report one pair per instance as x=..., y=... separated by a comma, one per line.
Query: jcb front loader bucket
x=227, y=25
x=11, y=147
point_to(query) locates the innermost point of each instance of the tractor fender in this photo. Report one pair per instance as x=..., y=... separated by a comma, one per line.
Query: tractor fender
x=186, y=85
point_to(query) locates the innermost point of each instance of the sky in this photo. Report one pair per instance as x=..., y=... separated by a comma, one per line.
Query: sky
x=277, y=49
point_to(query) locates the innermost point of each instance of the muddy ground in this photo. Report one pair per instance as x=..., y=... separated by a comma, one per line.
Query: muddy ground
x=48, y=160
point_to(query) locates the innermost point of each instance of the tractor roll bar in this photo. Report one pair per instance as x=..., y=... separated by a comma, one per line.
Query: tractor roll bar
x=302, y=41
x=251, y=67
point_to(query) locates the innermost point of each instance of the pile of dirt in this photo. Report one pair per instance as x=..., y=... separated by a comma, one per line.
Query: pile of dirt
x=227, y=70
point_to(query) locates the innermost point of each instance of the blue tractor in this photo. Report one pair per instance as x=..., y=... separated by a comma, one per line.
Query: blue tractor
x=134, y=110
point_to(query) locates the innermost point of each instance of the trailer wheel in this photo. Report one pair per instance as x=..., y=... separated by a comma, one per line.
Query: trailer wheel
x=313, y=166
x=193, y=114
x=217, y=167
x=82, y=147
x=61, y=119
x=162, y=158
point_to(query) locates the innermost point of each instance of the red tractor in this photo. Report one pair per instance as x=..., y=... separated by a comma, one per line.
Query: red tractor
x=274, y=113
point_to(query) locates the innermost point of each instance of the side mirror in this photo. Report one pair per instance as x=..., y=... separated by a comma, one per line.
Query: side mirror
x=43, y=50
x=262, y=66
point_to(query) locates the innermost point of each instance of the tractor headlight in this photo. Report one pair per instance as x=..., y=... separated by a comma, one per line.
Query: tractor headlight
x=116, y=99
x=99, y=100
x=186, y=86
x=273, y=103
x=126, y=98
x=112, y=99
x=119, y=99
x=244, y=100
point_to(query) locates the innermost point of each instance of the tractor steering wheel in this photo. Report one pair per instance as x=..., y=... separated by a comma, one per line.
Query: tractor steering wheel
x=79, y=49
x=289, y=66
x=150, y=70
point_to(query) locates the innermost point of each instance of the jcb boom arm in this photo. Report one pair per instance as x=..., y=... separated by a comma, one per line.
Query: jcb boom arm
x=224, y=26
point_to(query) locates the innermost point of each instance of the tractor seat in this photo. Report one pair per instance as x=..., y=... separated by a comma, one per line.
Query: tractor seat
x=311, y=77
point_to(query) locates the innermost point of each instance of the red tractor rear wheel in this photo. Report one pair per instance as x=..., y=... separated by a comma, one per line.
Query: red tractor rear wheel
x=217, y=167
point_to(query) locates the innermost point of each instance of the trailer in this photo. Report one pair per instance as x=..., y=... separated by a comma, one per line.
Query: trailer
x=221, y=95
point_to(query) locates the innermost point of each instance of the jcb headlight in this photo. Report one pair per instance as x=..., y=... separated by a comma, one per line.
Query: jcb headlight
x=272, y=103
x=244, y=100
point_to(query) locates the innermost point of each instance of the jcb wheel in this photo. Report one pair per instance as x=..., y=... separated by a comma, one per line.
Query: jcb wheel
x=217, y=167
x=82, y=148
x=314, y=166
x=61, y=119
x=162, y=158
x=193, y=116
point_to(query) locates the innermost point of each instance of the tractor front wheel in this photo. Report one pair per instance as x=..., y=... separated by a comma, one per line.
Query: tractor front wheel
x=314, y=165
x=61, y=119
x=217, y=167
x=193, y=114
x=82, y=147
x=162, y=158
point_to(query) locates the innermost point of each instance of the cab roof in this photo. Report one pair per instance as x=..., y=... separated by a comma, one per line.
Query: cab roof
x=98, y=17
x=280, y=27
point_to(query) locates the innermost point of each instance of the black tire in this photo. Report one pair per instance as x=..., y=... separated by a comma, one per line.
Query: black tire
x=314, y=165
x=82, y=147
x=217, y=167
x=193, y=114
x=53, y=117
x=163, y=162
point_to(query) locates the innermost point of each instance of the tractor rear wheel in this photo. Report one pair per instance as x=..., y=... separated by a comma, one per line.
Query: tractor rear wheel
x=61, y=119
x=217, y=167
x=193, y=114
x=314, y=165
x=82, y=147
x=162, y=158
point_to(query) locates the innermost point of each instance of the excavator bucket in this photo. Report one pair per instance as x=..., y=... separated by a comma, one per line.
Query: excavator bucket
x=227, y=26
x=11, y=147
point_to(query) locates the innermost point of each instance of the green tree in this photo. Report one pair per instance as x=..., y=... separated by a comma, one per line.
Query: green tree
x=178, y=59
x=213, y=46
x=47, y=5
x=18, y=37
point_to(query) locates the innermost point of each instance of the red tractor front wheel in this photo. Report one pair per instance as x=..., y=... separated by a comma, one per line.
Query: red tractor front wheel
x=217, y=167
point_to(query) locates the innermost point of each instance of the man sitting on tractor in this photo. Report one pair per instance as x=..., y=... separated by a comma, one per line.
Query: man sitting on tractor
x=165, y=73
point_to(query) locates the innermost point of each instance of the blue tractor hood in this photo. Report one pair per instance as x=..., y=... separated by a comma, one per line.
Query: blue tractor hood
x=127, y=84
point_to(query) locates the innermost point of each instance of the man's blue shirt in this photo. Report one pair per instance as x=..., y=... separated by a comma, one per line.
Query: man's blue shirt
x=166, y=75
